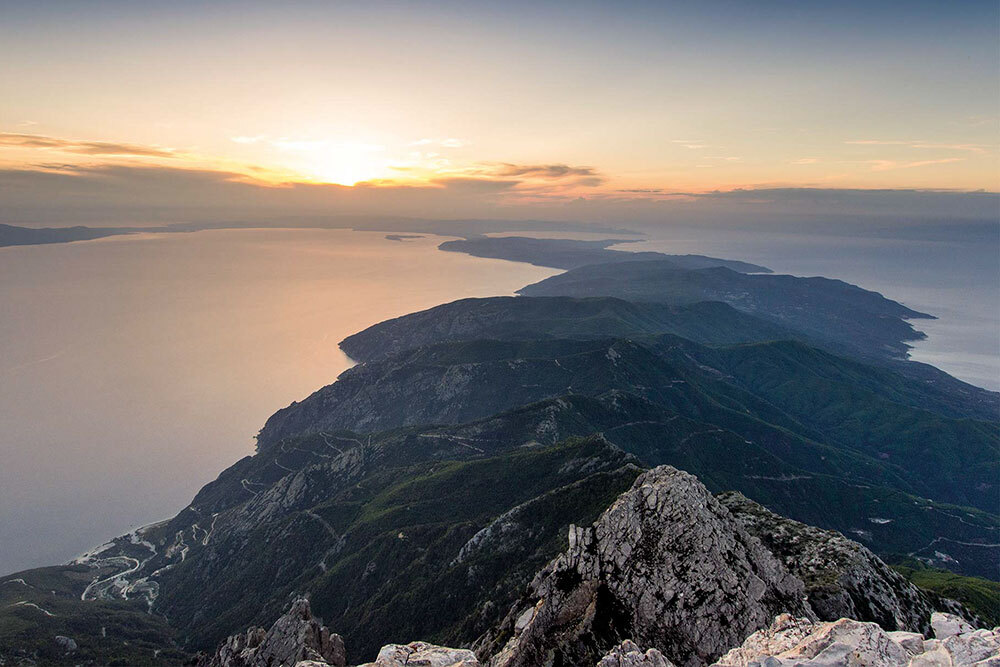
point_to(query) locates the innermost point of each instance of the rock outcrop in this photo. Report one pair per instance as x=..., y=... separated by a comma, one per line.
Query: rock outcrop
x=628, y=654
x=843, y=579
x=666, y=566
x=295, y=637
x=848, y=643
x=67, y=644
x=948, y=625
x=421, y=654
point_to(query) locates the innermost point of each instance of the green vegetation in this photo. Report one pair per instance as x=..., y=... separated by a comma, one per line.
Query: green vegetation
x=980, y=595
x=821, y=309
x=522, y=318
x=38, y=605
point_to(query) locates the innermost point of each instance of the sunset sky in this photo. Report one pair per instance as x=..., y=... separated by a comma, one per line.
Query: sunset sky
x=505, y=101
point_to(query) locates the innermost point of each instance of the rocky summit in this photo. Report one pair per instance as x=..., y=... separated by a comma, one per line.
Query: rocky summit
x=296, y=637
x=666, y=566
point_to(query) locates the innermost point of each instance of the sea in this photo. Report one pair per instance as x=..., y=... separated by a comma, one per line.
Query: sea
x=134, y=369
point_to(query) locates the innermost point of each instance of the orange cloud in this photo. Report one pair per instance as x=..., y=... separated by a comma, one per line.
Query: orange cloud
x=11, y=139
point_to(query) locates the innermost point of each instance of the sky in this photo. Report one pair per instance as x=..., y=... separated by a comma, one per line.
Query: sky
x=547, y=109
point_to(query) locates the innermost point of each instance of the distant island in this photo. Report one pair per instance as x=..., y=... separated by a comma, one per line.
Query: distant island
x=11, y=235
x=572, y=254
x=398, y=228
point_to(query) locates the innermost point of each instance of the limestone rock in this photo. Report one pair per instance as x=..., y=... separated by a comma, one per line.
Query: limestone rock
x=978, y=647
x=295, y=637
x=784, y=634
x=911, y=641
x=421, y=654
x=796, y=642
x=628, y=654
x=947, y=625
x=843, y=579
x=666, y=566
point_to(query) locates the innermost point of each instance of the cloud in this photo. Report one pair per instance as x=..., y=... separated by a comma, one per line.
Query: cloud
x=480, y=185
x=548, y=171
x=124, y=194
x=693, y=144
x=445, y=143
x=890, y=165
x=41, y=141
x=806, y=160
x=973, y=148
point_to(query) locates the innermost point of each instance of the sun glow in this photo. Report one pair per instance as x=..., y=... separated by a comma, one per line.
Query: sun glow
x=346, y=172
x=340, y=163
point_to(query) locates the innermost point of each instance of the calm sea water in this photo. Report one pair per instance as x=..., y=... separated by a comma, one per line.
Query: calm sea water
x=134, y=369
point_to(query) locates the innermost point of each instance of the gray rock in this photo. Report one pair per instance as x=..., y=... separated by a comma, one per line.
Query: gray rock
x=843, y=579
x=978, y=647
x=947, y=625
x=628, y=654
x=295, y=637
x=911, y=641
x=842, y=643
x=666, y=566
x=796, y=642
x=421, y=654
x=67, y=644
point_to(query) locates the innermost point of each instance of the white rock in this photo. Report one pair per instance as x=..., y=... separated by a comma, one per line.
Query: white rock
x=792, y=642
x=946, y=625
x=628, y=654
x=972, y=648
x=911, y=641
x=421, y=654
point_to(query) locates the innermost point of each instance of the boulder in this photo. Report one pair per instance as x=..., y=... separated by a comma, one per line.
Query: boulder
x=948, y=625
x=67, y=644
x=799, y=642
x=421, y=654
x=628, y=654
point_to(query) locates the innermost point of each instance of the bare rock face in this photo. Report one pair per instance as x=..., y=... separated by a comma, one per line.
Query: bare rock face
x=628, y=654
x=666, y=566
x=420, y=654
x=843, y=579
x=294, y=638
x=67, y=644
x=948, y=625
x=801, y=642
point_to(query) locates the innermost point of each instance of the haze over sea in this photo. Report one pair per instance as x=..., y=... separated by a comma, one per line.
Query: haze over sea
x=135, y=368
